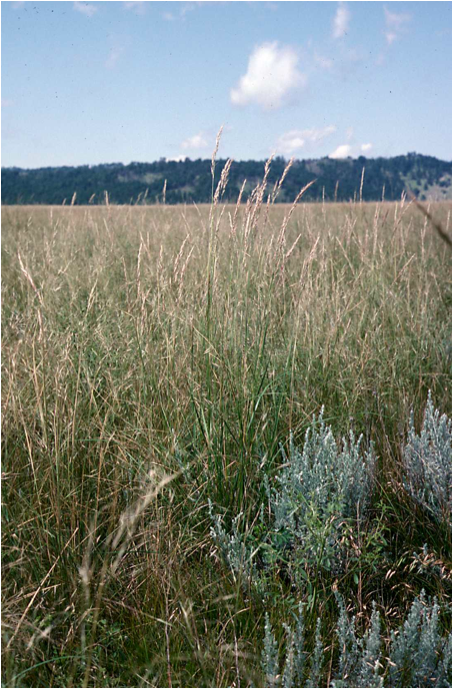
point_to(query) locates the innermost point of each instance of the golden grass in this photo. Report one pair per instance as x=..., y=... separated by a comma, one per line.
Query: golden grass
x=153, y=357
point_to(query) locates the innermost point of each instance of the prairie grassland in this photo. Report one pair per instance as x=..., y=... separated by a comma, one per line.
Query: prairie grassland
x=155, y=358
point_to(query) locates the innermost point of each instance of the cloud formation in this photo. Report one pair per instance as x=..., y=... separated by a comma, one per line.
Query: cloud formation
x=324, y=62
x=194, y=142
x=341, y=21
x=176, y=159
x=136, y=6
x=365, y=148
x=191, y=6
x=342, y=151
x=290, y=142
x=85, y=8
x=113, y=57
x=272, y=74
x=396, y=24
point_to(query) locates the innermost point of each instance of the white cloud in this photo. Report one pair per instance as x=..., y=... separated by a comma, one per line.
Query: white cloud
x=137, y=6
x=191, y=6
x=272, y=74
x=85, y=8
x=114, y=56
x=341, y=152
x=396, y=20
x=292, y=141
x=195, y=142
x=365, y=148
x=324, y=62
x=289, y=143
x=316, y=135
x=118, y=45
x=341, y=21
x=396, y=24
x=176, y=159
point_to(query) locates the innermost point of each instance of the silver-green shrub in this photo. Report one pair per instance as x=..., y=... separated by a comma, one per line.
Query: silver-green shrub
x=235, y=551
x=323, y=486
x=318, y=489
x=445, y=665
x=269, y=657
x=295, y=659
x=359, y=658
x=315, y=677
x=347, y=643
x=427, y=462
x=419, y=656
x=322, y=475
x=369, y=666
x=315, y=493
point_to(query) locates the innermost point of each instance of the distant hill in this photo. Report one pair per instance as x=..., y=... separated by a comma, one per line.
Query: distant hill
x=190, y=181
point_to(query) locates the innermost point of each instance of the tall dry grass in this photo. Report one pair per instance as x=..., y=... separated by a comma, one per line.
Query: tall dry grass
x=155, y=357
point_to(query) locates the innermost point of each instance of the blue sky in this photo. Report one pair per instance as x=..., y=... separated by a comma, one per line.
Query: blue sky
x=100, y=82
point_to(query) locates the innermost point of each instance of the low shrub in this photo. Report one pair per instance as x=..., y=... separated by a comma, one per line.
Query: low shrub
x=427, y=463
x=318, y=492
x=418, y=654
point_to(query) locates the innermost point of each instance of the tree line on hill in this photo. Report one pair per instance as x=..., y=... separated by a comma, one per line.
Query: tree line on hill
x=189, y=181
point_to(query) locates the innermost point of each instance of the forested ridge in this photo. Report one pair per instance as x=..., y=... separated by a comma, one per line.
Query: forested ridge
x=189, y=181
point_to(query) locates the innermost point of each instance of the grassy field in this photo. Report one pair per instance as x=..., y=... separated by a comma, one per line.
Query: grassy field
x=154, y=361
